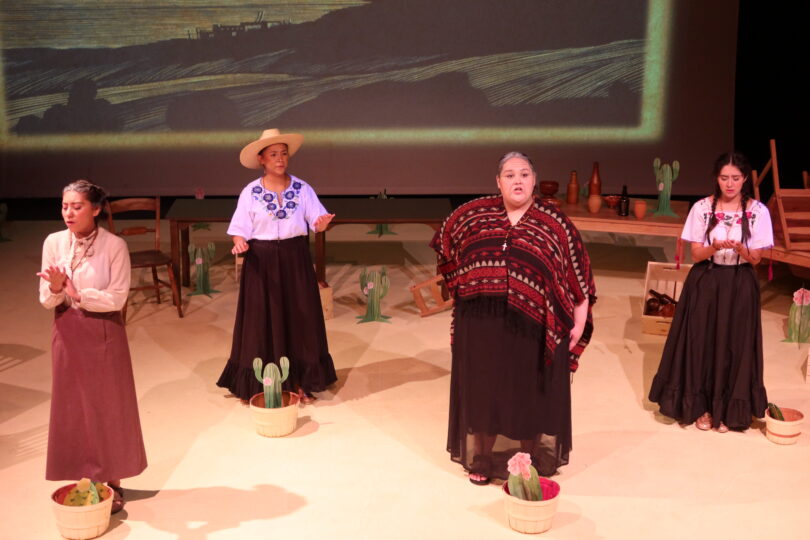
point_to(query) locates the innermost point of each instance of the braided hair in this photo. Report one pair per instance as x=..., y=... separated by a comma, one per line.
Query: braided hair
x=746, y=191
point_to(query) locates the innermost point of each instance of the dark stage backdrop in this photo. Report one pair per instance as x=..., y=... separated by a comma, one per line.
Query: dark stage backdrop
x=412, y=96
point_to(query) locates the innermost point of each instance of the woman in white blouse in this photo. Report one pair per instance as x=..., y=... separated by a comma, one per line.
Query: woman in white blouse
x=95, y=430
x=279, y=311
x=711, y=371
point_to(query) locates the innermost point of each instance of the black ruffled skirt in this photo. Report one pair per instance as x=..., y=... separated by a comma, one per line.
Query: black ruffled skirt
x=279, y=314
x=503, y=397
x=712, y=359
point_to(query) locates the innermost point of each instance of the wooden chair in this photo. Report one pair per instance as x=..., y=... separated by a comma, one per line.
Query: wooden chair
x=791, y=205
x=439, y=299
x=150, y=258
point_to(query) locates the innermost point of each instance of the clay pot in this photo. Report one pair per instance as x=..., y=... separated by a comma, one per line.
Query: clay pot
x=548, y=188
x=594, y=203
x=611, y=200
x=640, y=209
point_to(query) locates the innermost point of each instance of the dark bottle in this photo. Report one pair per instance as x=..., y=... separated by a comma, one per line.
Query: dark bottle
x=624, y=202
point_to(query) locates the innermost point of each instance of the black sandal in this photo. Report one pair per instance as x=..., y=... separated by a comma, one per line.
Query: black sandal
x=481, y=466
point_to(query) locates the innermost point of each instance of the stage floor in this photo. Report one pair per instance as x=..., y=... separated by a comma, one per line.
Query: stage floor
x=368, y=459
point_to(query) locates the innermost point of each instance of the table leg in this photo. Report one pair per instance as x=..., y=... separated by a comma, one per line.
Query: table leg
x=186, y=271
x=174, y=234
x=320, y=256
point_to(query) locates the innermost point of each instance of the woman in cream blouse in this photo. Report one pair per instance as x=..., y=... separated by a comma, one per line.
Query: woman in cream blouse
x=95, y=429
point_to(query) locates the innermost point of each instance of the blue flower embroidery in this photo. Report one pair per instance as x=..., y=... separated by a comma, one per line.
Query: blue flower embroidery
x=284, y=209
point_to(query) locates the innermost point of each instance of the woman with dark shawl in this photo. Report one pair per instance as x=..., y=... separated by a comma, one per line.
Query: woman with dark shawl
x=523, y=290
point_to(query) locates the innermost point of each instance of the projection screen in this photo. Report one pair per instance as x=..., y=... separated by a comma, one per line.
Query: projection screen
x=411, y=96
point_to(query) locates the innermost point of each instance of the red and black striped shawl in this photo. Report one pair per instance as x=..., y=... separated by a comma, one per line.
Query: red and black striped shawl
x=540, y=265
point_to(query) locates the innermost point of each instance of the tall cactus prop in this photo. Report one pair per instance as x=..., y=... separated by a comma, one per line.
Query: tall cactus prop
x=202, y=259
x=665, y=175
x=381, y=228
x=799, y=317
x=375, y=286
x=271, y=380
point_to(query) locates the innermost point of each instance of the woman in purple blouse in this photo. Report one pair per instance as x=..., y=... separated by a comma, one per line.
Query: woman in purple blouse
x=279, y=311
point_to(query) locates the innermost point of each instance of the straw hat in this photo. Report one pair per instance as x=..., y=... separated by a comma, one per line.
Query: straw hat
x=249, y=156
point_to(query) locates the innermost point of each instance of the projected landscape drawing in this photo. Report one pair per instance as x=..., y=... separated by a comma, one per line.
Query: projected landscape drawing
x=385, y=69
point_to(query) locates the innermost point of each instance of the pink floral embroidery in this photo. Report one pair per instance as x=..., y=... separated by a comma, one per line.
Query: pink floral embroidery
x=801, y=297
x=719, y=215
x=749, y=214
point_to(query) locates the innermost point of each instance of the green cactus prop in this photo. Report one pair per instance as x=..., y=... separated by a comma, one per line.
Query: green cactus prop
x=84, y=493
x=528, y=490
x=202, y=259
x=381, y=228
x=271, y=380
x=665, y=175
x=799, y=324
x=3, y=215
x=775, y=412
x=375, y=286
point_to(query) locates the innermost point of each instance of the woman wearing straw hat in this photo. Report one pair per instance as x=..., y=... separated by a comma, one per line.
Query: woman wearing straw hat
x=279, y=311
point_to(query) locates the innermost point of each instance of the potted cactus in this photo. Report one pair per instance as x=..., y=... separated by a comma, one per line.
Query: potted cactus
x=375, y=286
x=530, y=501
x=82, y=510
x=275, y=413
x=783, y=425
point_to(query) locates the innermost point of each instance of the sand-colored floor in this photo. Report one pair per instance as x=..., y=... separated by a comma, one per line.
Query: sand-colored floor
x=368, y=460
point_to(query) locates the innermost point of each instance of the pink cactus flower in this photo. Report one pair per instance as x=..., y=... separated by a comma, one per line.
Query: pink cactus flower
x=365, y=291
x=801, y=297
x=519, y=465
x=370, y=285
x=267, y=381
x=198, y=260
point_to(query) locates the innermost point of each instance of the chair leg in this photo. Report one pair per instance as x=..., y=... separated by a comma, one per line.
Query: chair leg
x=156, y=282
x=175, y=291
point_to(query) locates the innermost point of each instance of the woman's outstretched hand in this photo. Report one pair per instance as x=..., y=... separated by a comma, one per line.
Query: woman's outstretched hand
x=323, y=221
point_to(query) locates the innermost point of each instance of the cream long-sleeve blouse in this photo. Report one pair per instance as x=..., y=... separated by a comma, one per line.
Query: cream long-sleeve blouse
x=101, y=275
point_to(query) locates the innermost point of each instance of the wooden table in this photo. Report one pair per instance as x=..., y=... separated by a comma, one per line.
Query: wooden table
x=608, y=220
x=430, y=211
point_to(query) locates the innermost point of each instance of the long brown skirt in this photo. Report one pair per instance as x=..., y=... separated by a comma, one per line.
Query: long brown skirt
x=95, y=430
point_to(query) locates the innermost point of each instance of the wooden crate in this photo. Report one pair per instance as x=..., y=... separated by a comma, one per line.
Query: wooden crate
x=664, y=278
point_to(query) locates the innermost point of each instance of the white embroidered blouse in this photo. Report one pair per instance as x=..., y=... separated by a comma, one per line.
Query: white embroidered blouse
x=264, y=215
x=729, y=227
x=99, y=269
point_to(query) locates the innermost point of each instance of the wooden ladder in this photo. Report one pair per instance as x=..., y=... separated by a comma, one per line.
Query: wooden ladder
x=792, y=206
